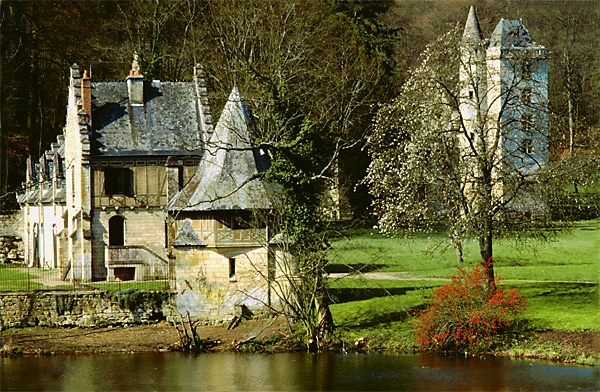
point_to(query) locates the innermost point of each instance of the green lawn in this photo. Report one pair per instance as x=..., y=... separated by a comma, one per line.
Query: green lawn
x=573, y=255
x=22, y=278
x=559, y=278
x=18, y=279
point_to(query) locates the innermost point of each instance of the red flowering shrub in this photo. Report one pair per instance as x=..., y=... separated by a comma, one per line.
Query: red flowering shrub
x=464, y=315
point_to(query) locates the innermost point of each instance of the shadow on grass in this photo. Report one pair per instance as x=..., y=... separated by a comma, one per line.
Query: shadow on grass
x=374, y=318
x=558, y=289
x=342, y=295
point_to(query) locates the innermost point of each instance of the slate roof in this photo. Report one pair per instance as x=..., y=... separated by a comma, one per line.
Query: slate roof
x=511, y=33
x=227, y=176
x=167, y=124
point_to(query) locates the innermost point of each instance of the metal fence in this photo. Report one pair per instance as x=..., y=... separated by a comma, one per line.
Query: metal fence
x=19, y=277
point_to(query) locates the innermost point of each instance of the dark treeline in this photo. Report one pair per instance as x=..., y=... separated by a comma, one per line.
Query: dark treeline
x=324, y=65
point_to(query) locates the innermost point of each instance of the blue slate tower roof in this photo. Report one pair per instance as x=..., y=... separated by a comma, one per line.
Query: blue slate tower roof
x=511, y=33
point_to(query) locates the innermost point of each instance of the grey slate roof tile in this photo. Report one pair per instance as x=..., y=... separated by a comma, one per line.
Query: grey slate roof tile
x=167, y=124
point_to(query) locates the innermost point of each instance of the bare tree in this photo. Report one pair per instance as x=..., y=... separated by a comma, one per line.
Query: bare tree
x=310, y=82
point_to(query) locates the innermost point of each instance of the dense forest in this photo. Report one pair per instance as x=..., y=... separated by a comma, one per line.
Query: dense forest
x=319, y=69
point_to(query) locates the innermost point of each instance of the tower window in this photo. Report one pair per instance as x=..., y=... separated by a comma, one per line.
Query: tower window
x=471, y=94
x=231, y=269
x=527, y=122
x=527, y=96
x=527, y=146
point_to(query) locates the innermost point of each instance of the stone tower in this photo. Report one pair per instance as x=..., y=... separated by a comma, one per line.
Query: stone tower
x=504, y=101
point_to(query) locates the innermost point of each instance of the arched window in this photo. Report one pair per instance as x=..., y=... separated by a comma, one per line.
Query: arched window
x=116, y=231
x=36, y=245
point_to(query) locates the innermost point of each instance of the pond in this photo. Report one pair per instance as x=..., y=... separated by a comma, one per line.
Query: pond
x=290, y=372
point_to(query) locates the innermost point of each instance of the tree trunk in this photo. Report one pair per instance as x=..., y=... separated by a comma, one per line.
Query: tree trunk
x=571, y=112
x=486, y=230
x=485, y=249
x=3, y=163
x=457, y=245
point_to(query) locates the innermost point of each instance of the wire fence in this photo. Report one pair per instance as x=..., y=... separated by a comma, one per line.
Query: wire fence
x=21, y=278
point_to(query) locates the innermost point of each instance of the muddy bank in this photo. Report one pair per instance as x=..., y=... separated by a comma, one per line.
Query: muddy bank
x=161, y=336
x=561, y=346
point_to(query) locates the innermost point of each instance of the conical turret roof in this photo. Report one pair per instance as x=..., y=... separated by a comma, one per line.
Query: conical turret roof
x=472, y=33
x=227, y=177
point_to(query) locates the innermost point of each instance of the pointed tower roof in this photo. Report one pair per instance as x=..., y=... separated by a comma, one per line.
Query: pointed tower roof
x=227, y=177
x=472, y=33
x=511, y=33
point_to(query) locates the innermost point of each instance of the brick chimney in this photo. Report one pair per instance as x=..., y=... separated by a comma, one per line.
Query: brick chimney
x=135, y=83
x=86, y=93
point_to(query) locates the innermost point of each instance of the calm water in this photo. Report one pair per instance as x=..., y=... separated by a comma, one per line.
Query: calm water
x=293, y=372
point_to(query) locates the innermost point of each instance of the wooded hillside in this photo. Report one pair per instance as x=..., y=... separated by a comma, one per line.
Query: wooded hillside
x=319, y=67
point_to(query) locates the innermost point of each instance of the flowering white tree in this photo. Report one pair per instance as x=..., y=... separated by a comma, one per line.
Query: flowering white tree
x=462, y=145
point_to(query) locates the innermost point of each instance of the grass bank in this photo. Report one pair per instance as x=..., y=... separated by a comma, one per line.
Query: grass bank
x=559, y=278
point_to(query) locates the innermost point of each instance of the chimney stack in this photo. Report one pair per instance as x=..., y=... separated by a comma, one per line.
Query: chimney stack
x=135, y=83
x=204, y=106
x=86, y=93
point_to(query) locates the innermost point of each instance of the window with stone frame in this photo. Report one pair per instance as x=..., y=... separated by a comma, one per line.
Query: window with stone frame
x=231, y=268
x=526, y=122
x=527, y=97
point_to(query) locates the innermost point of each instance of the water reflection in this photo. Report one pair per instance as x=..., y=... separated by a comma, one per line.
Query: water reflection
x=290, y=372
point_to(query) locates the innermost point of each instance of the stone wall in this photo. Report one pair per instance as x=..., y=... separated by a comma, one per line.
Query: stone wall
x=11, y=224
x=11, y=250
x=83, y=309
x=208, y=291
x=11, y=244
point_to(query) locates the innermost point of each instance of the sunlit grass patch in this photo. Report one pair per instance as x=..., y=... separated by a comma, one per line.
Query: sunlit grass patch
x=150, y=285
x=374, y=311
x=568, y=306
x=18, y=279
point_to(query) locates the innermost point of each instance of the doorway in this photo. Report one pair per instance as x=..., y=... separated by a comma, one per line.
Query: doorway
x=116, y=231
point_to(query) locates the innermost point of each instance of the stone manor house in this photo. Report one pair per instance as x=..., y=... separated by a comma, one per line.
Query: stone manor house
x=141, y=185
